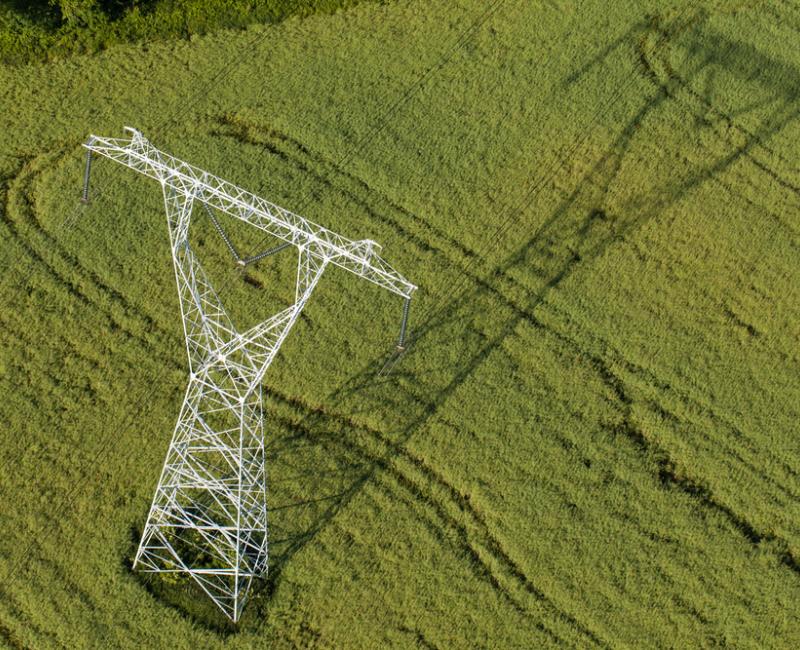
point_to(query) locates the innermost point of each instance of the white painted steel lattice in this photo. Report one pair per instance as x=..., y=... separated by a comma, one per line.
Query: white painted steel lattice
x=209, y=513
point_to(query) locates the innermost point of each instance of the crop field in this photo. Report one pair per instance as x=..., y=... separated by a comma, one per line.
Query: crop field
x=592, y=439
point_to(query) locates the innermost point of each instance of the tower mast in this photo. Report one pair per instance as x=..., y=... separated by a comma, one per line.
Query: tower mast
x=208, y=517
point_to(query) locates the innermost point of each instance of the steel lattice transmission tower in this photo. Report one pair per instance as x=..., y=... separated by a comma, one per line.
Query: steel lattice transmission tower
x=209, y=513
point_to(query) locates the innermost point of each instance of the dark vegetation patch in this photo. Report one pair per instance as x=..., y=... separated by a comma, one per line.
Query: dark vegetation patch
x=48, y=30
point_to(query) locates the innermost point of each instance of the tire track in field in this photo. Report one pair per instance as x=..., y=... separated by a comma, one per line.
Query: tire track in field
x=666, y=80
x=669, y=472
x=703, y=406
x=305, y=160
x=7, y=634
x=418, y=636
x=672, y=476
x=431, y=491
x=20, y=200
x=474, y=556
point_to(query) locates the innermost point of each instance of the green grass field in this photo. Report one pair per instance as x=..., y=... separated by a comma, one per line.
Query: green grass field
x=592, y=439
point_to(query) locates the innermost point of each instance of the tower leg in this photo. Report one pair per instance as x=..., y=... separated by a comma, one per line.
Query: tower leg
x=209, y=514
x=208, y=518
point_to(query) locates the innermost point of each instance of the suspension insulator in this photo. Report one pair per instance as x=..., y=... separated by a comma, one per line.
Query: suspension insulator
x=266, y=253
x=403, y=325
x=221, y=232
x=85, y=195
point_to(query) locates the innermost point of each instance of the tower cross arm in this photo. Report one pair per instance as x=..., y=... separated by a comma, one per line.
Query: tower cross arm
x=358, y=257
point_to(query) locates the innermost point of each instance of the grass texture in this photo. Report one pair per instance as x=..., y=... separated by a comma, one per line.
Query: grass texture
x=592, y=438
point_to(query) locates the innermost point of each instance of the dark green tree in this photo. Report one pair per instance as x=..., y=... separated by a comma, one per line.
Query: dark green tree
x=77, y=12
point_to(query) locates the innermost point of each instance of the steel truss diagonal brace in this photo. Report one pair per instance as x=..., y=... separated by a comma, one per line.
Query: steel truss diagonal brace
x=208, y=517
